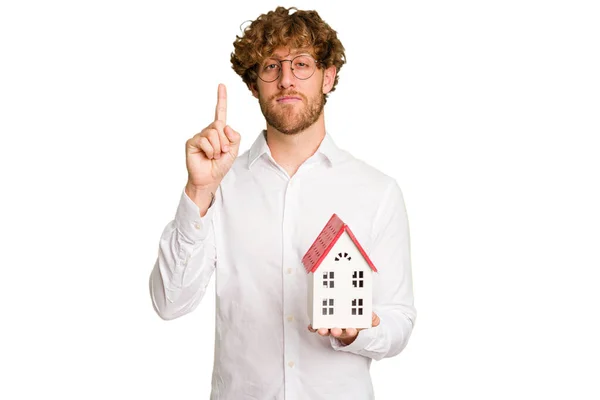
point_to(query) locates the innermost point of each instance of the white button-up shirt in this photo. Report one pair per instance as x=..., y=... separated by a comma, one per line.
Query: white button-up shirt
x=254, y=237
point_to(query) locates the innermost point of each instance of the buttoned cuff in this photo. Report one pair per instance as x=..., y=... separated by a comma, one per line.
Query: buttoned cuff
x=188, y=220
x=364, y=339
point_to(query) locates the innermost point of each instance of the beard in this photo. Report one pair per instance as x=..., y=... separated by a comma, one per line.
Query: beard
x=285, y=118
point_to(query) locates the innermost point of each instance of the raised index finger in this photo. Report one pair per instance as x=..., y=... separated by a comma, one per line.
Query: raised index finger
x=221, y=110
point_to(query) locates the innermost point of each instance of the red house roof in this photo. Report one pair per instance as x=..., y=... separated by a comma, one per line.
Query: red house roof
x=330, y=234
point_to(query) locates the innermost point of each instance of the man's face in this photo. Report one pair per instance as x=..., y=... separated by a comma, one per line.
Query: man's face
x=289, y=104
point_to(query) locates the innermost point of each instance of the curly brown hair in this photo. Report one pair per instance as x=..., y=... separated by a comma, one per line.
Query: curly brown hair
x=280, y=28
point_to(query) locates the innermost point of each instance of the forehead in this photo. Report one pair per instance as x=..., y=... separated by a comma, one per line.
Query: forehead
x=285, y=52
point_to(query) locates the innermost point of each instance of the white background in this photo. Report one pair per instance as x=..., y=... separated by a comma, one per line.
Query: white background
x=487, y=114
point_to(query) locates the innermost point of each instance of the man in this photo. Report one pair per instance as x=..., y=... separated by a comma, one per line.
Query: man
x=251, y=218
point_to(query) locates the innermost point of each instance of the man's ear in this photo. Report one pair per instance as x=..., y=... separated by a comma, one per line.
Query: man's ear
x=329, y=78
x=253, y=89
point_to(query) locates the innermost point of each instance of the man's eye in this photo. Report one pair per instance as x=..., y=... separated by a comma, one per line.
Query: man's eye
x=270, y=66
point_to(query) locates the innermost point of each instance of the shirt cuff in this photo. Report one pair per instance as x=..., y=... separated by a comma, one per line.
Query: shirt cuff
x=188, y=220
x=362, y=341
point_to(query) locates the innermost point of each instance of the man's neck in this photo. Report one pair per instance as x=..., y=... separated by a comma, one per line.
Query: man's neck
x=290, y=151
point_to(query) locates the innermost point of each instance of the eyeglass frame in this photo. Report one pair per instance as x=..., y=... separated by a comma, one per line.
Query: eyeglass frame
x=291, y=68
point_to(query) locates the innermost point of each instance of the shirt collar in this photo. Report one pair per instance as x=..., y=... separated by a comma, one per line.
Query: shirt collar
x=327, y=148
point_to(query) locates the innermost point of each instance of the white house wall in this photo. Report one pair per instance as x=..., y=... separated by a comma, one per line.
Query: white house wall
x=309, y=297
x=343, y=292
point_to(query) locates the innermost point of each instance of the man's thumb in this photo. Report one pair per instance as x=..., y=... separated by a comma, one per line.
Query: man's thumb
x=233, y=136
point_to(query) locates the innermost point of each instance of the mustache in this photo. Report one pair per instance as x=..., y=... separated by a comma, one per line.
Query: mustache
x=290, y=93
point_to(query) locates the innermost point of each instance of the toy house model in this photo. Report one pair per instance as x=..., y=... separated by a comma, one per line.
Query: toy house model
x=340, y=284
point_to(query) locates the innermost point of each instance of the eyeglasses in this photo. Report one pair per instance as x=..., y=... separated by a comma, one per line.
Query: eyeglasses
x=303, y=67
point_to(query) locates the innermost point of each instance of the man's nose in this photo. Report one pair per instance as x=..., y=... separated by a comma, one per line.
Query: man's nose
x=287, y=77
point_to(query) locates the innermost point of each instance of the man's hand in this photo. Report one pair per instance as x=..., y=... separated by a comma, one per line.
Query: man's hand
x=210, y=154
x=346, y=336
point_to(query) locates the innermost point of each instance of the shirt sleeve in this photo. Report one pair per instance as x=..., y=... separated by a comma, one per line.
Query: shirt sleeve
x=186, y=260
x=393, y=299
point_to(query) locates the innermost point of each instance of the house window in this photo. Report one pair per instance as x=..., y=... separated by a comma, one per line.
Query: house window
x=328, y=280
x=342, y=255
x=327, y=306
x=357, y=307
x=358, y=279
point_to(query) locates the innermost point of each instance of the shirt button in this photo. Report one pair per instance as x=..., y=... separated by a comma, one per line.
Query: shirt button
x=290, y=318
x=289, y=271
x=291, y=364
x=197, y=226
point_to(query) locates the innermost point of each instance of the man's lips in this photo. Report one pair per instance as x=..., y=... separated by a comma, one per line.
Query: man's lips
x=288, y=99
